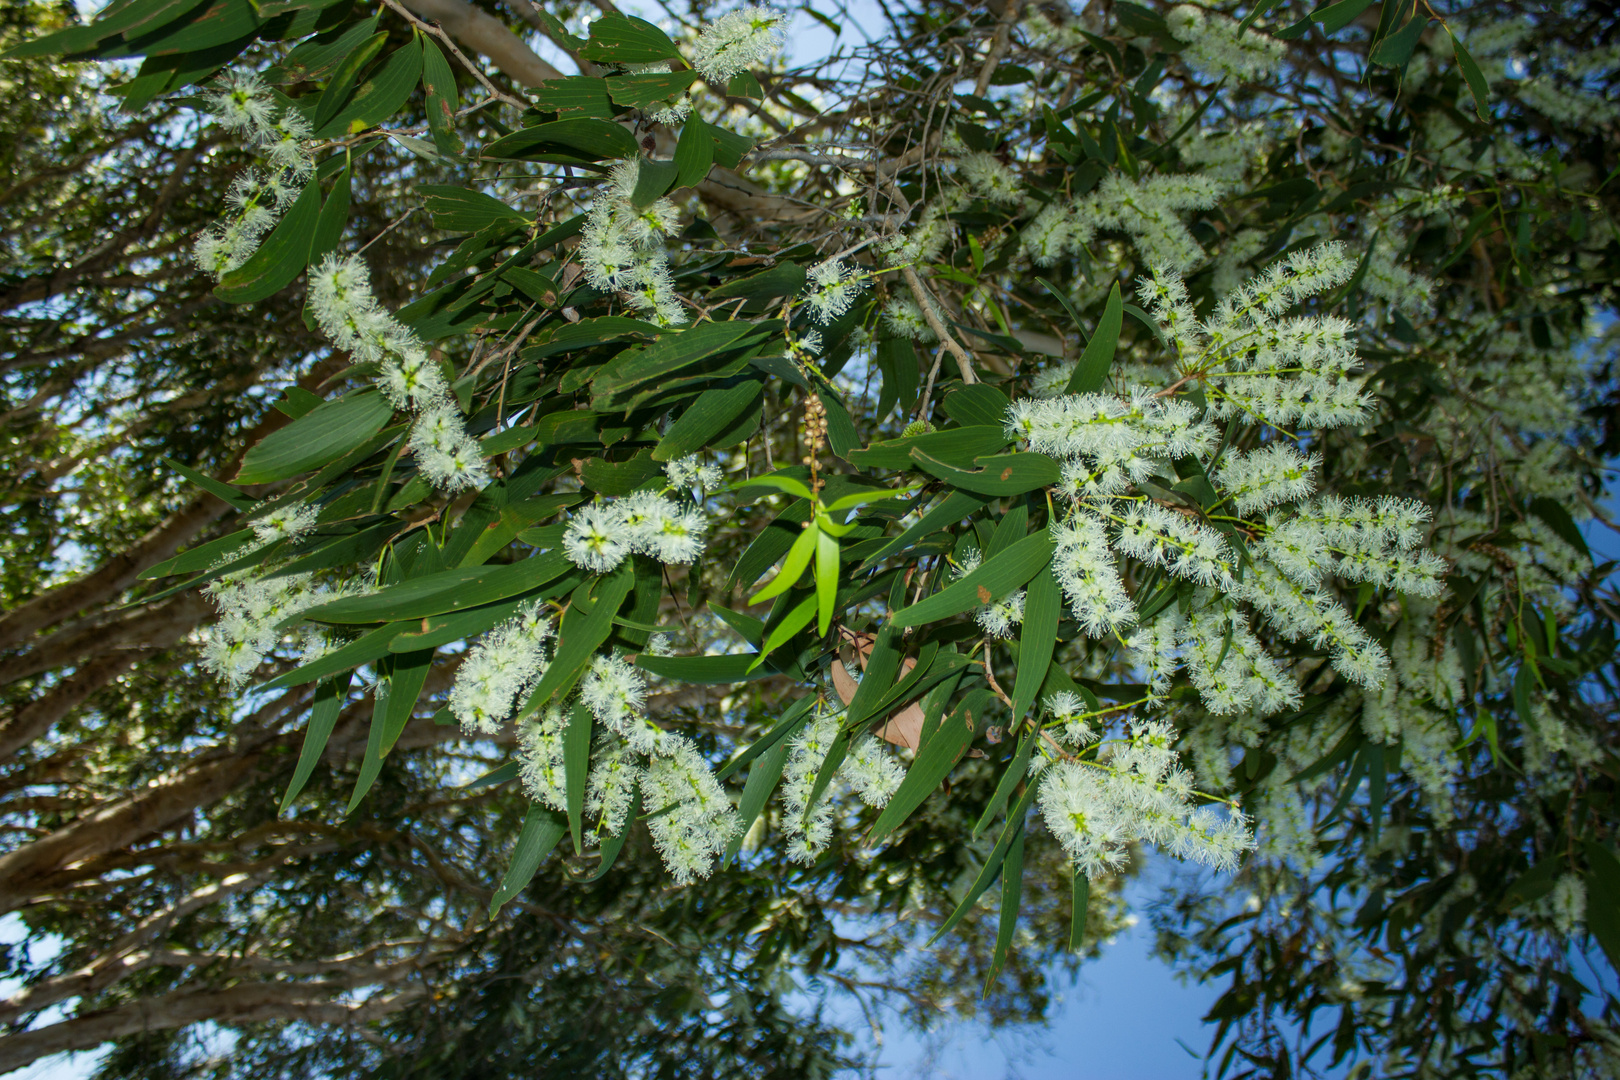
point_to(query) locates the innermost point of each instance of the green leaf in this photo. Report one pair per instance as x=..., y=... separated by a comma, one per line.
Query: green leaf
x=443, y=629
x=347, y=76
x=1000, y=474
x=281, y=257
x=380, y=96
x=317, y=58
x=574, y=97
x=1092, y=369
x=1557, y=518
x=653, y=179
x=586, y=139
x=994, y=579
x=694, y=154
x=674, y=350
x=643, y=91
x=329, y=432
x=977, y=404
x=1009, y=780
x=458, y=209
x=621, y=39
x=708, y=670
x=501, y=774
x=826, y=580
x=1603, y=898
x=542, y=829
x=797, y=618
x=955, y=507
x=1043, y=607
x=198, y=558
x=334, y=218
x=362, y=650
x=576, y=767
x=793, y=566
x=941, y=750
x=762, y=780
x=397, y=692
x=444, y=591
x=1011, y=832
x=322, y=719
x=1077, y=918
x=443, y=99
x=953, y=446
x=785, y=727
x=783, y=279
x=1396, y=49
x=780, y=481
x=130, y=20
x=1012, y=887
x=225, y=24
x=712, y=413
x=1477, y=86
x=881, y=666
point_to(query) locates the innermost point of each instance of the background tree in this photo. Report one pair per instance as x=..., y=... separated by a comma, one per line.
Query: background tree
x=960, y=215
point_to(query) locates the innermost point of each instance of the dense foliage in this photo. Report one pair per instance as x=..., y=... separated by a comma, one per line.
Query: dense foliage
x=1169, y=425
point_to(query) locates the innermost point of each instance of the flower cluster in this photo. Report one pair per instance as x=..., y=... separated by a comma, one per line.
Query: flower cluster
x=736, y=42
x=251, y=610
x=258, y=197
x=1147, y=210
x=1134, y=790
x=622, y=246
x=689, y=473
x=1119, y=457
x=689, y=815
x=501, y=669
x=1214, y=45
x=645, y=522
x=868, y=769
x=347, y=312
x=832, y=289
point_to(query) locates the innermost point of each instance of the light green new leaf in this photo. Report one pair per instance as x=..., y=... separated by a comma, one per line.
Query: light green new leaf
x=793, y=566
x=797, y=618
x=826, y=579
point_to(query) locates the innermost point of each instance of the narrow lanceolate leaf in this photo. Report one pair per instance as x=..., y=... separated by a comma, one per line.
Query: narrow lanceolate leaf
x=1012, y=888
x=542, y=828
x=882, y=663
x=1043, y=607
x=1478, y=88
x=1077, y=920
x=1009, y=781
x=674, y=350
x=762, y=780
x=956, y=506
x=994, y=579
x=942, y=748
x=322, y=719
x=1092, y=370
x=1603, y=898
x=200, y=557
x=576, y=766
x=625, y=39
x=396, y=698
x=712, y=413
x=793, y=567
x=330, y=431
x=446, y=591
x=280, y=258
x=612, y=845
x=784, y=728
x=1010, y=833
x=373, y=646
x=797, y=618
x=826, y=580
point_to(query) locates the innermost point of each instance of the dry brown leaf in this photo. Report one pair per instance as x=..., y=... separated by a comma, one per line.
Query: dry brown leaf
x=904, y=726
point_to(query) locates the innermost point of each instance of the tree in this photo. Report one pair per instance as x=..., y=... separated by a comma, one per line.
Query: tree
x=1309, y=517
